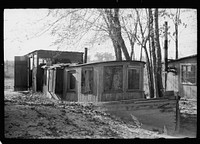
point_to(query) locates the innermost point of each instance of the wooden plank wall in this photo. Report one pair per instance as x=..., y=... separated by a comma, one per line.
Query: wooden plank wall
x=98, y=87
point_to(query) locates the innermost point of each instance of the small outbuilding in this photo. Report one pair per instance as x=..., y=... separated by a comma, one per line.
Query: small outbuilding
x=95, y=82
x=28, y=72
x=183, y=78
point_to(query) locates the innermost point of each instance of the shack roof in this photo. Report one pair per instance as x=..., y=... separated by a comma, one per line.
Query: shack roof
x=59, y=65
x=53, y=51
x=183, y=58
x=62, y=65
x=104, y=62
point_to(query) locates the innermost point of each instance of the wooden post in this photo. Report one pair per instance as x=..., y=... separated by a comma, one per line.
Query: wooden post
x=176, y=31
x=177, y=115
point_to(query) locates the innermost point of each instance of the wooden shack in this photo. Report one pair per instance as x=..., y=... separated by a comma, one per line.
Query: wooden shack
x=28, y=72
x=183, y=80
x=103, y=81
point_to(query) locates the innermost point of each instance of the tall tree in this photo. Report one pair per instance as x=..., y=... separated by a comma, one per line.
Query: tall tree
x=143, y=43
x=152, y=50
x=158, y=53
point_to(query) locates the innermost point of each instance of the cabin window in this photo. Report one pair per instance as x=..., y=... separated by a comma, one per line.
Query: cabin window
x=45, y=77
x=71, y=80
x=87, y=81
x=31, y=63
x=42, y=61
x=113, y=78
x=188, y=74
x=133, y=78
x=35, y=61
x=51, y=79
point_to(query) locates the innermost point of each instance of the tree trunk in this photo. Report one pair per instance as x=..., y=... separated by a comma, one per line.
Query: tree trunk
x=149, y=73
x=158, y=52
x=118, y=53
x=152, y=44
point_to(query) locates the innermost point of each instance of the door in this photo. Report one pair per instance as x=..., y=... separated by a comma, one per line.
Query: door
x=21, y=73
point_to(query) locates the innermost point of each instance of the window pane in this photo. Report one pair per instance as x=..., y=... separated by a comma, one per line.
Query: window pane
x=113, y=78
x=72, y=80
x=188, y=74
x=87, y=81
x=133, y=78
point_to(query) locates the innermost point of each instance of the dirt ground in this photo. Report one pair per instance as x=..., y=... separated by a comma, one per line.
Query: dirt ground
x=33, y=116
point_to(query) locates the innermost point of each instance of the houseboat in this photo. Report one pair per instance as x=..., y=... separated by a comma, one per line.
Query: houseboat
x=115, y=87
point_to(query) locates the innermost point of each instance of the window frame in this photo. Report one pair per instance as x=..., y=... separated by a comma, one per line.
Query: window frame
x=140, y=74
x=113, y=91
x=188, y=64
x=92, y=89
x=68, y=81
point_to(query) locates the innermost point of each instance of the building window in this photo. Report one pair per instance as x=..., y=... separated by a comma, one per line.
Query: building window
x=45, y=77
x=133, y=78
x=188, y=74
x=87, y=81
x=71, y=80
x=113, y=78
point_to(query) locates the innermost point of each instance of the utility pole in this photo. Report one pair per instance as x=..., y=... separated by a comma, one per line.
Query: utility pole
x=176, y=31
x=166, y=55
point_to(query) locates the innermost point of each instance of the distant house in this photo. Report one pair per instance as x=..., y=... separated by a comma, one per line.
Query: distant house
x=28, y=72
x=184, y=81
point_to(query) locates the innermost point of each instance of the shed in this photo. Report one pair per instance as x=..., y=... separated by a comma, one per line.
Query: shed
x=28, y=72
x=99, y=82
x=184, y=80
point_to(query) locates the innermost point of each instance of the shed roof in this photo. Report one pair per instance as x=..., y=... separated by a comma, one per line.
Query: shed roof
x=183, y=58
x=54, y=51
x=85, y=64
x=95, y=63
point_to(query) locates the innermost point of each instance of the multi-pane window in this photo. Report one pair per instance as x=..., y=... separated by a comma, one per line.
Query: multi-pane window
x=87, y=80
x=71, y=80
x=133, y=78
x=188, y=74
x=113, y=78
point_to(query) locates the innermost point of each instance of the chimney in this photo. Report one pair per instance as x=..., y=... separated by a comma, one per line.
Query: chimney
x=85, y=56
x=166, y=49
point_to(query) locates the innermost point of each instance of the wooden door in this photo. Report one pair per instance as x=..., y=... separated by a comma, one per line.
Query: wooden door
x=21, y=73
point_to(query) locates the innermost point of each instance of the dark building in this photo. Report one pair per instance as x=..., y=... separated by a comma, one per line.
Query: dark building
x=28, y=71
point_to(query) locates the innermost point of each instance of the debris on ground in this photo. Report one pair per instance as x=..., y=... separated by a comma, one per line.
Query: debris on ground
x=36, y=116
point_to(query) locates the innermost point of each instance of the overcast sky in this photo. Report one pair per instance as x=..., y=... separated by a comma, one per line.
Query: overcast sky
x=20, y=24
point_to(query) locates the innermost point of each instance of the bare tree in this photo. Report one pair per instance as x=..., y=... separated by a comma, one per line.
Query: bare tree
x=114, y=27
x=143, y=43
x=158, y=71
